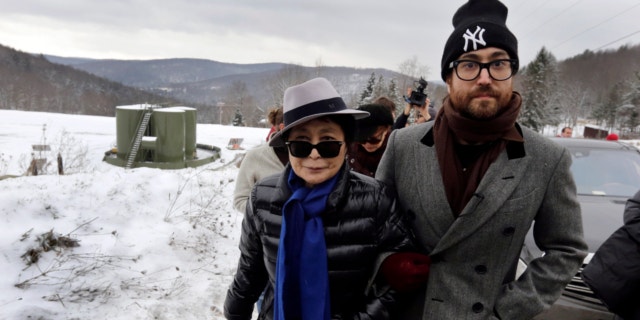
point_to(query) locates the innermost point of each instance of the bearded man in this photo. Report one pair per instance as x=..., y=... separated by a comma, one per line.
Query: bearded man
x=474, y=182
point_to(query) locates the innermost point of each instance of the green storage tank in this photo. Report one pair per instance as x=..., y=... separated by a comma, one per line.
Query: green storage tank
x=169, y=128
x=127, y=120
x=190, y=122
x=167, y=138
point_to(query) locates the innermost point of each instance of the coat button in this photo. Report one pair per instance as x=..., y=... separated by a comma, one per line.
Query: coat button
x=477, y=307
x=509, y=231
x=480, y=269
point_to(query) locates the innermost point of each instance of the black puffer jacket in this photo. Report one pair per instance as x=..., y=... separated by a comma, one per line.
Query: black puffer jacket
x=360, y=222
x=614, y=271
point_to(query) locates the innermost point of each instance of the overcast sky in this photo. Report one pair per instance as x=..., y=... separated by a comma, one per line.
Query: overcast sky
x=351, y=33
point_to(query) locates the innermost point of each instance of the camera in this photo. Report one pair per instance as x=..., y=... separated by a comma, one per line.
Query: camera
x=418, y=97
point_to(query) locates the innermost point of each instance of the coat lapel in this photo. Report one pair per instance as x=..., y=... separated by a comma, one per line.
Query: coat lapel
x=501, y=179
x=436, y=216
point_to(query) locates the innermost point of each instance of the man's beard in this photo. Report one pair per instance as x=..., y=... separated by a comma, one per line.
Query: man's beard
x=480, y=109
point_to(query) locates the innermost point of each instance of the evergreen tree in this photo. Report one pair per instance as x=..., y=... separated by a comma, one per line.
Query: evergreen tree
x=367, y=93
x=627, y=117
x=379, y=88
x=631, y=103
x=599, y=114
x=540, y=106
x=633, y=94
x=392, y=94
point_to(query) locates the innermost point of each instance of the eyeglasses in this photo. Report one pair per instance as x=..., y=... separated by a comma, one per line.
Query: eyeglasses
x=499, y=70
x=326, y=149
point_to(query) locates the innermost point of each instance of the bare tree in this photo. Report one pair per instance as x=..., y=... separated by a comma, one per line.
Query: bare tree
x=237, y=97
x=320, y=68
x=288, y=76
x=574, y=101
x=412, y=70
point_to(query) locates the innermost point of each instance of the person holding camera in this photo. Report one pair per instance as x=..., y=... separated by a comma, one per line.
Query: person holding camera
x=483, y=182
x=418, y=100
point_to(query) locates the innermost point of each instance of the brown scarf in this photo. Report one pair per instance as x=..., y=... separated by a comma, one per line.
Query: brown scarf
x=450, y=125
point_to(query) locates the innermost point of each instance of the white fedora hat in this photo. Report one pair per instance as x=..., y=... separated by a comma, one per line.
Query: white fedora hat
x=309, y=100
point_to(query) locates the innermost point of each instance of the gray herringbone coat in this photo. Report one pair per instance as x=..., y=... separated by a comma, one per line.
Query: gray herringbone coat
x=474, y=255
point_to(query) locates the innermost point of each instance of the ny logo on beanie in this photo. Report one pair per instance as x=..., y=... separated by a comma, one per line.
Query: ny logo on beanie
x=488, y=18
x=475, y=37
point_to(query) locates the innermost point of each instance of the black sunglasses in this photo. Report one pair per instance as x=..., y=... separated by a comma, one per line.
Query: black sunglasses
x=372, y=140
x=326, y=149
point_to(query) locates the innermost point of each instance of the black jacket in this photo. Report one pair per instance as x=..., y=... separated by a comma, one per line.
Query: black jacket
x=614, y=271
x=360, y=222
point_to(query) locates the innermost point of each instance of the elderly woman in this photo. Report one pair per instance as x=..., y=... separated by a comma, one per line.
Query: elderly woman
x=312, y=234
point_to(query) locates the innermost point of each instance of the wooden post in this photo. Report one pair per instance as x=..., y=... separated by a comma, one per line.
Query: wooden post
x=33, y=168
x=60, y=167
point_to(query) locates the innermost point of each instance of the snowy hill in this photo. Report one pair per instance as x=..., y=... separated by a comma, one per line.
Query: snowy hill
x=102, y=242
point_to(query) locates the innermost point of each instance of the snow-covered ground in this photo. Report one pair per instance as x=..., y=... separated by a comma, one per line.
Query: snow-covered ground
x=102, y=242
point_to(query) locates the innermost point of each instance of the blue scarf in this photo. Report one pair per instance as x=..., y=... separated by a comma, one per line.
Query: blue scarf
x=302, y=279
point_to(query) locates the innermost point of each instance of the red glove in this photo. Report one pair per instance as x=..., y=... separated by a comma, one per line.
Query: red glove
x=406, y=271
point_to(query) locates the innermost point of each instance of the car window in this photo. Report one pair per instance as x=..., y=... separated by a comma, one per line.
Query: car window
x=606, y=171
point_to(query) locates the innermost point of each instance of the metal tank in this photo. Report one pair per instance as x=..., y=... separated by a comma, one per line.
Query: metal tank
x=169, y=129
x=127, y=120
x=156, y=137
x=190, y=144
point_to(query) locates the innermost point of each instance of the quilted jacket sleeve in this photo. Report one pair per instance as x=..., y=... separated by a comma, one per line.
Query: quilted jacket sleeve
x=394, y=237
x=251, y=276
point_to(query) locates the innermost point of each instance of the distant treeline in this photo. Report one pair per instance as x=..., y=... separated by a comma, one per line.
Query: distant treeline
x=32, y=83
x=593, y=85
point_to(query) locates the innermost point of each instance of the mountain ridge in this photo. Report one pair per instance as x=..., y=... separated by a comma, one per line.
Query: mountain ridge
x=33, y=83
x=39, y=82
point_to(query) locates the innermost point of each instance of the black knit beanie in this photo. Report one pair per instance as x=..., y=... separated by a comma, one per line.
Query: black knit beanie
x=479, y=24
